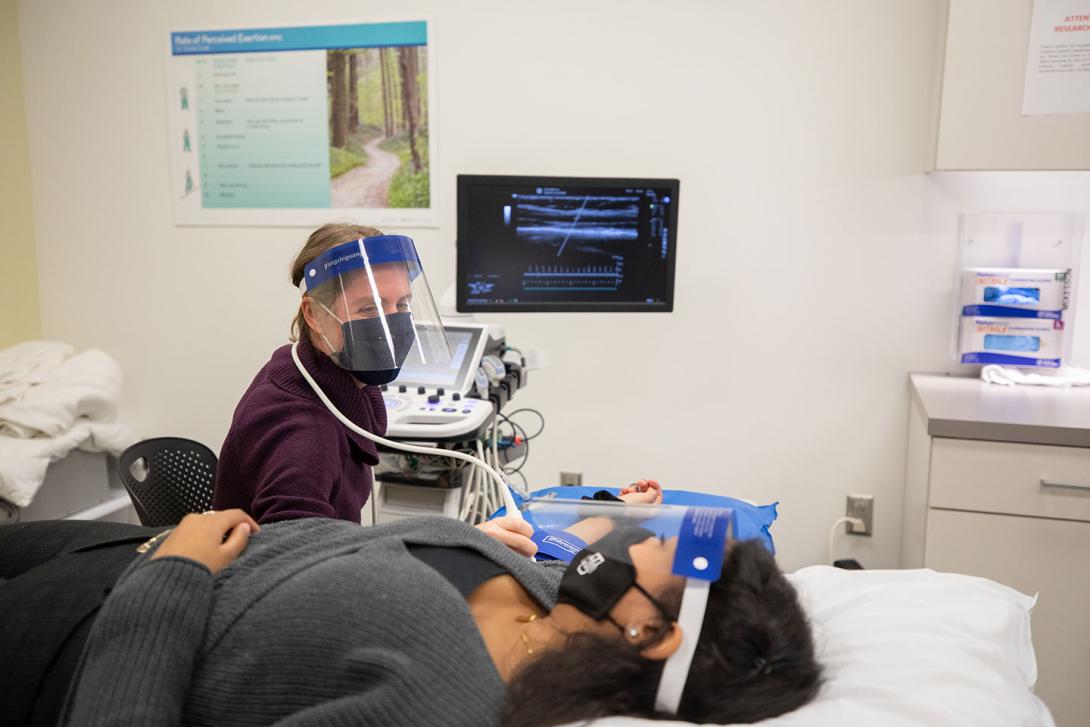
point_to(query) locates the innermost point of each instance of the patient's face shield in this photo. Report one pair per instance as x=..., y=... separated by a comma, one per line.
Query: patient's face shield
x=655, y=544
x=371, y=304
x=659, y=540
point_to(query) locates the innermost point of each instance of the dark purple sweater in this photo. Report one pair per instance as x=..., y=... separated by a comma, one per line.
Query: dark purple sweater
x=286, y=456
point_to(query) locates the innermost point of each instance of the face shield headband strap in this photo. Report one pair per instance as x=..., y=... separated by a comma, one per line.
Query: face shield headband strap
x=360, y=253
x=694, y=601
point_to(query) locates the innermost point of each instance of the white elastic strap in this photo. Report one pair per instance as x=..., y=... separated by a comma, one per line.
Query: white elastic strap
x=508, y=498
x=694, y=601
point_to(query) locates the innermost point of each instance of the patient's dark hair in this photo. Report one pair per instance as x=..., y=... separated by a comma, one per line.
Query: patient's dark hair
x=755, y=659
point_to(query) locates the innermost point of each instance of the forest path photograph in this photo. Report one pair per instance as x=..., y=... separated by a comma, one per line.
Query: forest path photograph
x=378, y=130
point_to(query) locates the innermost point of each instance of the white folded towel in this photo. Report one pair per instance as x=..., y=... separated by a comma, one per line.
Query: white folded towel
x=84, y=386
x=28, y=363
x=51, y=402
x=1007, y=376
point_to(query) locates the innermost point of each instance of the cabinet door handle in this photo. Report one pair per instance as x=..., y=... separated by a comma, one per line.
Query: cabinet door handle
x=1064, y=485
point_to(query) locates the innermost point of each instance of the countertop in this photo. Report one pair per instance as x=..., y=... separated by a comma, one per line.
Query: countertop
x=960, y=407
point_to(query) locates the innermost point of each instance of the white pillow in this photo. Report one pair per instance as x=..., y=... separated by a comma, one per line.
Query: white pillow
x=913, y=647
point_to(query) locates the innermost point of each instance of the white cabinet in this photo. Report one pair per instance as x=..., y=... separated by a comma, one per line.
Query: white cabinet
x=1009, y=478
x=983, y=68
x=1018, y=514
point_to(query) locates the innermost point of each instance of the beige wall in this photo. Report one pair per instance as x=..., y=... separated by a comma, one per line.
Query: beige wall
x=19, y=314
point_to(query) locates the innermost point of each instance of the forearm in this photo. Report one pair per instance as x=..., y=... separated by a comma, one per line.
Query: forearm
x=291, y=493
x=291, y=490
x=140, y=654
x=590, y=529
x=291, y=467
x=271, y=506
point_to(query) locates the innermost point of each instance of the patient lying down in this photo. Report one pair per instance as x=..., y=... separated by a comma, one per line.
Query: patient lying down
x=417, y=622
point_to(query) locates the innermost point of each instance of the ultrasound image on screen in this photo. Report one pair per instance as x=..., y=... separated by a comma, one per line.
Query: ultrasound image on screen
x=588, y=223
x=588, y=244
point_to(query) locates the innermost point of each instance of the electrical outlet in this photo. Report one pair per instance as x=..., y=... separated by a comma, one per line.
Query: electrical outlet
x=571, y=478
x=862, y=507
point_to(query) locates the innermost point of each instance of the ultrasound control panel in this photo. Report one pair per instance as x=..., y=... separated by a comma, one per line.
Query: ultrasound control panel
x=432, y=413
x=430, y=400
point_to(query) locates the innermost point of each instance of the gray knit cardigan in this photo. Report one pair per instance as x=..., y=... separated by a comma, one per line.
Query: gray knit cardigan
x=318, y=622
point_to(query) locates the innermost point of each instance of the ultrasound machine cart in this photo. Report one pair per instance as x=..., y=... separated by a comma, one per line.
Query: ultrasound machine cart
x=441, y=406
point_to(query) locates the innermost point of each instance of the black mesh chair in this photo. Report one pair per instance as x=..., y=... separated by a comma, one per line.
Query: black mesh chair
x=167, y=478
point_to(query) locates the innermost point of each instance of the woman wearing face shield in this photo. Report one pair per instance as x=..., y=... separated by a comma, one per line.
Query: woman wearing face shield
x=418, y=622
x=285, y=455
x=364, y=305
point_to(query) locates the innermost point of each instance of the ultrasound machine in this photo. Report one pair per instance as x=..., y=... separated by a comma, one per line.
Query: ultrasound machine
x=433, y=401
x=450, y=405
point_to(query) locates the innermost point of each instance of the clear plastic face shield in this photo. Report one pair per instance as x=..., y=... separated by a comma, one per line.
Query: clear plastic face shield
x=370, y=304
x=615, y=548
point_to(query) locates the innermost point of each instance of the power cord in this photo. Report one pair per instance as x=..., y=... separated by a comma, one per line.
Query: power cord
x=516, y=431
x=853, y=521
x=535, y=412
x=522, y=357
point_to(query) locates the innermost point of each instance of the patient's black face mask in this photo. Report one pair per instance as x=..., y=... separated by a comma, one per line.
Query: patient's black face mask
x=602, y=573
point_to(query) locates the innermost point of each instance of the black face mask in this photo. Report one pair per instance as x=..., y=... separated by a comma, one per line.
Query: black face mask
x=602, y=573
x=366, y=353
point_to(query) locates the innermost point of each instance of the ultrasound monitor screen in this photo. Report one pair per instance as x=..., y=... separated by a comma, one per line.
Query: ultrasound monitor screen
x=566, y=244
x=455, y=374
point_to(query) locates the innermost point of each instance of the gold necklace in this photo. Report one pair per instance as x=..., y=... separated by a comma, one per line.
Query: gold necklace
x=526, y=639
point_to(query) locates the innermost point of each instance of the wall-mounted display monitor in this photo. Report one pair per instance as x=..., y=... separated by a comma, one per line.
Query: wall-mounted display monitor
x=570, y=244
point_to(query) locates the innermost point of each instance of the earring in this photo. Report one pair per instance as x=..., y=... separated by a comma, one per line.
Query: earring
x=632, y=632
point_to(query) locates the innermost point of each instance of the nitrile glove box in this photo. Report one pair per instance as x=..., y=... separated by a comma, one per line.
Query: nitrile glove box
x=1011, y=341
x=1015, y=292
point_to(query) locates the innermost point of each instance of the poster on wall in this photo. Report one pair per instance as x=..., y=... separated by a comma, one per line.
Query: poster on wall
x=296, y=126
x=1058, y=64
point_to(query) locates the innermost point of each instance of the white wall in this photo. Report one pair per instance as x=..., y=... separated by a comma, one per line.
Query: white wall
x=815, y=257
